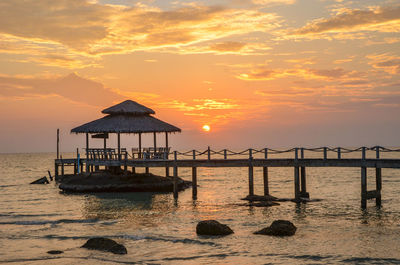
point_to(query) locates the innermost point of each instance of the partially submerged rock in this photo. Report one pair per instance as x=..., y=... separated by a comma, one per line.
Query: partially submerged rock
x=213, y=228
x=103, y=181
x=260, y=198
x=278, y=228
x=55, y=252
x=43, y=180
x=105, y=244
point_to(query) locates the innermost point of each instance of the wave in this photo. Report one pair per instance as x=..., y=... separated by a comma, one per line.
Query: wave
x=171, y=239
x=44, y=222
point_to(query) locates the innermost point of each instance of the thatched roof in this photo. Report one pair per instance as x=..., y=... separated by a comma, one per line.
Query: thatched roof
x=126, y=124
x=129, y=107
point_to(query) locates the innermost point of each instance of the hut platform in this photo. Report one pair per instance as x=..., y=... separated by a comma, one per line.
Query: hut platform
x=107, y=181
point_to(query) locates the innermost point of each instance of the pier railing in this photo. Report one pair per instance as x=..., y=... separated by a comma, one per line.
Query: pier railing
x=295, y=153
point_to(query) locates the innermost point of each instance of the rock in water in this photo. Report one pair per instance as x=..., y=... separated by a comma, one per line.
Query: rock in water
x=213, y=228
x=279, y=228
x=105, y=244
x=55, y=252
x=41, y=181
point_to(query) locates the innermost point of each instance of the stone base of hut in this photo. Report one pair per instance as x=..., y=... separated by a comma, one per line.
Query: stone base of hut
x=111, y=181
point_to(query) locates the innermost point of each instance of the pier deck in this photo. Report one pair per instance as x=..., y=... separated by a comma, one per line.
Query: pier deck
x=247, y=159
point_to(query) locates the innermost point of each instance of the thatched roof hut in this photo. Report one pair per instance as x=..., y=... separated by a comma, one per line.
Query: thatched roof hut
x=126, y=117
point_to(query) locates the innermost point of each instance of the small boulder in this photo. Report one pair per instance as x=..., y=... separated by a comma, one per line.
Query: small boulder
x=41, y=181
x=54, y=252
x=213, y=228
x=105, y=244
x=278, y=228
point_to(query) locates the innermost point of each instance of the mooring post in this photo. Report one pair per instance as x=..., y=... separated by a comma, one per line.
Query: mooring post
x=325, y=153
x=58, y=143
x=363, y=153
x=265, y=174
x=225, y=155
x=378, y=172
x=175, y=187
x=208, y=153
x=363, y=187
x=251, y=176
x=339, y=156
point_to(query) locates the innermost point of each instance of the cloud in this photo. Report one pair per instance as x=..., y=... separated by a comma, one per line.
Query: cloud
x=388, y=63
x=90, y=29
x=385, y=19
x=71, y=87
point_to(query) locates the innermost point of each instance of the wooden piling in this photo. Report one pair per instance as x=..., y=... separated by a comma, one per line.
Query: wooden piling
x=194, y=183
x=378, y=175
x=296, y=184
x=265, y=175
x=303, y=177
x=251, y=174
x=363, y=187
x=265, y=180
x=175, y=188
x=58, y=143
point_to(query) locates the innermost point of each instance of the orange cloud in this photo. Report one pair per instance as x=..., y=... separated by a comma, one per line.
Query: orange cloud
x=71, y=87
x=383, y=19
x=386, y=62
x=89, y=28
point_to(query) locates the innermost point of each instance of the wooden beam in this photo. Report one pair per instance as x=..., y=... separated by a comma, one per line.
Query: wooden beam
x=58, y=143
x=296, y=184
x=87, y=152
x=155, y=140
x=140, y=145
x=119, y=146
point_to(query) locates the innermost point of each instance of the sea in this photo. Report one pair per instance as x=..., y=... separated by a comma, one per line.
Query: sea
x=156, y=229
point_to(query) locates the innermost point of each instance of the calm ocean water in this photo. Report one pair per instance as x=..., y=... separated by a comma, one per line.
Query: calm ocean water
x=37, y=218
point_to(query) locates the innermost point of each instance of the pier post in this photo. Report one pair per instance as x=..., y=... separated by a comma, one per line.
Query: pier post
x=194, y=183
x=303, y=182
x=296, y=184
x=265, y=174
x=225, y=155
x=208, y=153
x=325, y=153
x=251, y=176
x=363, y=187
x=339, y=156
x=378, y=172
x=194, y=178
x=175, y=188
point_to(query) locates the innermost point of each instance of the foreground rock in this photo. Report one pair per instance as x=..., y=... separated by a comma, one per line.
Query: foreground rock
x=213, y=228
x=279, y=228
x=105, y=244
x=43, y=180
x=55, y=252
x=104, y=181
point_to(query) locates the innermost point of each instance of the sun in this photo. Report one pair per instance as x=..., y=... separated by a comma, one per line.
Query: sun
x=206, y=128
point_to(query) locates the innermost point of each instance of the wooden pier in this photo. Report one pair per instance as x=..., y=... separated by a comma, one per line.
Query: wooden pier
x=250, y=158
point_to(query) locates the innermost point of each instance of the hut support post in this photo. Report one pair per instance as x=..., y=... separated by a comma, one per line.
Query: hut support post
x=140, y=145
x=56, y=170
x=265, y=174
x=155, y=141
x=166, y=154
x=119, y=146
x=87, y=152
x=363, y=187
x=194, y=183
x=251, y=175
x=175, y=187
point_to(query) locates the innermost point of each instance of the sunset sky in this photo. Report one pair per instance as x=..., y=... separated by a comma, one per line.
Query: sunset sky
x=260, y=73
